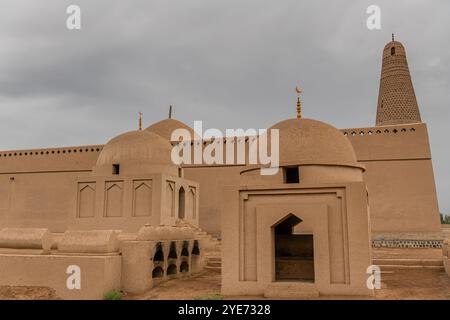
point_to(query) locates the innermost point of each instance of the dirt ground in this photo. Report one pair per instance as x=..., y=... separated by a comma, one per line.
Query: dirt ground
x=27, y=293
x=420, y=284
x=402, y=283
x=407, y=283
x=205, y=283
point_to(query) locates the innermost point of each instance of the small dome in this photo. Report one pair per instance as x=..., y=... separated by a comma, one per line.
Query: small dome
x=165, y=127
x=136, y=152
x=306, y=141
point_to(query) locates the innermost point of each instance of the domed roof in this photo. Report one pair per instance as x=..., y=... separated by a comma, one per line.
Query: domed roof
x=307, y=141
x=137, y=151
x=165, y=127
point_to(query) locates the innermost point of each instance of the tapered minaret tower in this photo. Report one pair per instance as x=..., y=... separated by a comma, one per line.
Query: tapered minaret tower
x=397, y=102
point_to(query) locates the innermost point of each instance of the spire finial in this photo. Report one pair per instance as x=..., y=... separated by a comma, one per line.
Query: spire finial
x=393, y=38
x=299, y=104
x=140, y=120
x=170, y=112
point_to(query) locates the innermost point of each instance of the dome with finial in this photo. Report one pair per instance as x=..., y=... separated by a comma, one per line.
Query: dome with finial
x=136, y=152
x=310, y=152
x=307, y=141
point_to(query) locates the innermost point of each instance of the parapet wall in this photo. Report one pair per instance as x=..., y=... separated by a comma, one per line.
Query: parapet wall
x=37, y=186
x=400, y=182
x=393, y=142
x=80, y=158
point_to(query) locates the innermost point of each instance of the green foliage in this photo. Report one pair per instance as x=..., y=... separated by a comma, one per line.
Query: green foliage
x=445, y=219
x=214, y=296
x=113, y=295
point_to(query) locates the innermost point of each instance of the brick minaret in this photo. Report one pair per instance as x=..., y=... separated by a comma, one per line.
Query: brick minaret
x=397, y=102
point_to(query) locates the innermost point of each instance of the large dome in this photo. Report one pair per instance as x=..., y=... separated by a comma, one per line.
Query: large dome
x=136, y=152
x=306, y=141
x=165, y=127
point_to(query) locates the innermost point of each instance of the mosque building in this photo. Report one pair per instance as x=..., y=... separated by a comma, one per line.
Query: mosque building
x=129, y=216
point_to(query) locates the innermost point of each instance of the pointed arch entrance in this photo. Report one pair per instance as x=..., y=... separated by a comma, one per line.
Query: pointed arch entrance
x=294, y=253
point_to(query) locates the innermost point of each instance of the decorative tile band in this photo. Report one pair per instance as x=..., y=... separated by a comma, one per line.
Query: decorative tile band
x=407, y=244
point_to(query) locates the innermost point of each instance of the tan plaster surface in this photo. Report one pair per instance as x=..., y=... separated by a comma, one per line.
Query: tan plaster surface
x=402, y=284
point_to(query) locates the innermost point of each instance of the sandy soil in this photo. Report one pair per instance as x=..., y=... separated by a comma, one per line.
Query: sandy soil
x=405, y=283
x=402, y=284
x=27, y=293
x=420, y=284
x=205, y=283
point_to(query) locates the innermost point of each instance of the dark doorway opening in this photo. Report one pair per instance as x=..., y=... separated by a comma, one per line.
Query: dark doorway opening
x=181, y=203
x=196, y=249
x=294, y=253
x=291, y=175
x=184, y=267
x=115, y=169
x=159, y=254
x=185, y=251
x=171, y=269
x=173, y=251
x=157, y=272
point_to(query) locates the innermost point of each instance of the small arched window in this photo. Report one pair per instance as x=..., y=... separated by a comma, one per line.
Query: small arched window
x=181, y=203
x=392, y=51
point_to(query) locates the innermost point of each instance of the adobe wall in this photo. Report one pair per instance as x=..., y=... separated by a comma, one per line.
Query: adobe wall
x=95, y=254
x=400, y=180
x=129, y=202
x=100, y=274
x=37, y=186
x=335, y=214
x=394, y=142
x=212, y=179
x=399, y=177
x=78, y=158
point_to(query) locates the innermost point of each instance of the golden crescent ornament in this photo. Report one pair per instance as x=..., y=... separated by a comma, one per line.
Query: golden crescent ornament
x=298, y=90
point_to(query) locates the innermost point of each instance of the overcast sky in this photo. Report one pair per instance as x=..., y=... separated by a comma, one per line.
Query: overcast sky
x=230, y=63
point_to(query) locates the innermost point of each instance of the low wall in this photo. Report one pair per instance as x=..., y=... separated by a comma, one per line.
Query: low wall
x=26, y=238
x=86, y=265
x=98, y=274
x=98, y=259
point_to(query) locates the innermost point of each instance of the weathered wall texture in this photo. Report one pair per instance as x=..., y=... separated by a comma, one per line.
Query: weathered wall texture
x=39, y=190
x=37, y=186
x=399, y=177
x=336, y=215
x=92, y=257
x=211, y=181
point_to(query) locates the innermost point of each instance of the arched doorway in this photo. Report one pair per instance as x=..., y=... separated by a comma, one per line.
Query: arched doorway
x=158, y=272
x=181, y=203
x=294, y=253
x=172, y=270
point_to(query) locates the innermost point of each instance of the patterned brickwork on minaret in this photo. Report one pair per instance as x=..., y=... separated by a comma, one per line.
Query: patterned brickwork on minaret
x=397, y=102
